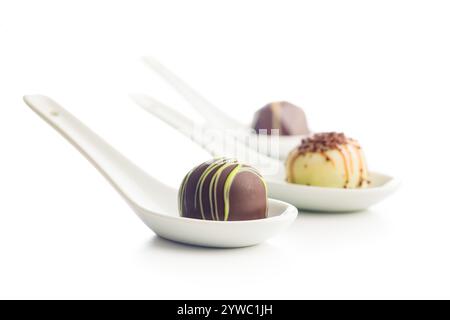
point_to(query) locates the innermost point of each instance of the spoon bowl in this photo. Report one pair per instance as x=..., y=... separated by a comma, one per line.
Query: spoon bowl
x=334, y=199
x=220, y=234
x=154, y=202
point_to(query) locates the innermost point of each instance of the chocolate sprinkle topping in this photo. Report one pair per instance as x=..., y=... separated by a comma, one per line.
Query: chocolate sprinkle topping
x=321, y=142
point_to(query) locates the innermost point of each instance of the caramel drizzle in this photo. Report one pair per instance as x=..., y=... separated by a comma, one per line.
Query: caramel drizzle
x=344, y=159
x=348, y=165
x=361, y=167
x=328, y=158
x=345, y=147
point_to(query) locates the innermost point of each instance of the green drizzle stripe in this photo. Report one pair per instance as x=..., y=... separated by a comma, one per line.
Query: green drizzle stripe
x=226, y=190
x=199, y=188
x=221, y=164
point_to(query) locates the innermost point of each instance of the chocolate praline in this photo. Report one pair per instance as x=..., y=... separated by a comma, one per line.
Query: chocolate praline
x=284, y=116
x=328, y=159
x=223, y=190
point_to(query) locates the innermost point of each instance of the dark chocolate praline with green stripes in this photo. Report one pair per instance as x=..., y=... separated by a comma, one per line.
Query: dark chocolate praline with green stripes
x=223, y=190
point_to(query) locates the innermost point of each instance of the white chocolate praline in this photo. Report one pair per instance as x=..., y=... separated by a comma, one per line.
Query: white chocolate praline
x=341, y=166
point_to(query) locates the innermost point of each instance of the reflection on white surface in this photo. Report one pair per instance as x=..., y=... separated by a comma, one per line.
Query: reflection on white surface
x=328, y=231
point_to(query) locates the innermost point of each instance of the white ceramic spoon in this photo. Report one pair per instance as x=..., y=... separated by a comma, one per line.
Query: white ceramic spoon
x=154, y=202
x=219, y=119
x=216, y=145
x=303, y=197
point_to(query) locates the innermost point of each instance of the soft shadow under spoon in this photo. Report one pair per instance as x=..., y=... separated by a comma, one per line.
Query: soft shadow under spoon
x=154, y=202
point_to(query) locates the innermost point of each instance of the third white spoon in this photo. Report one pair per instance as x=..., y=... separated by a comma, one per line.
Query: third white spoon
x=221, y=120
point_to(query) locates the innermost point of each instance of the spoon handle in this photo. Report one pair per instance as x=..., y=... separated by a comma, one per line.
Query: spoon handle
x=210, y=112
x=129, y=180
x=216, y=142
x=165, y=113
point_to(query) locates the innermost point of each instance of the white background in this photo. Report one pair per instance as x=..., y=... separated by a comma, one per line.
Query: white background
x=377, y=70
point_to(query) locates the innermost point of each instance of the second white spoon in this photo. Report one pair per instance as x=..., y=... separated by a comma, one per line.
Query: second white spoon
x=303, y=197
